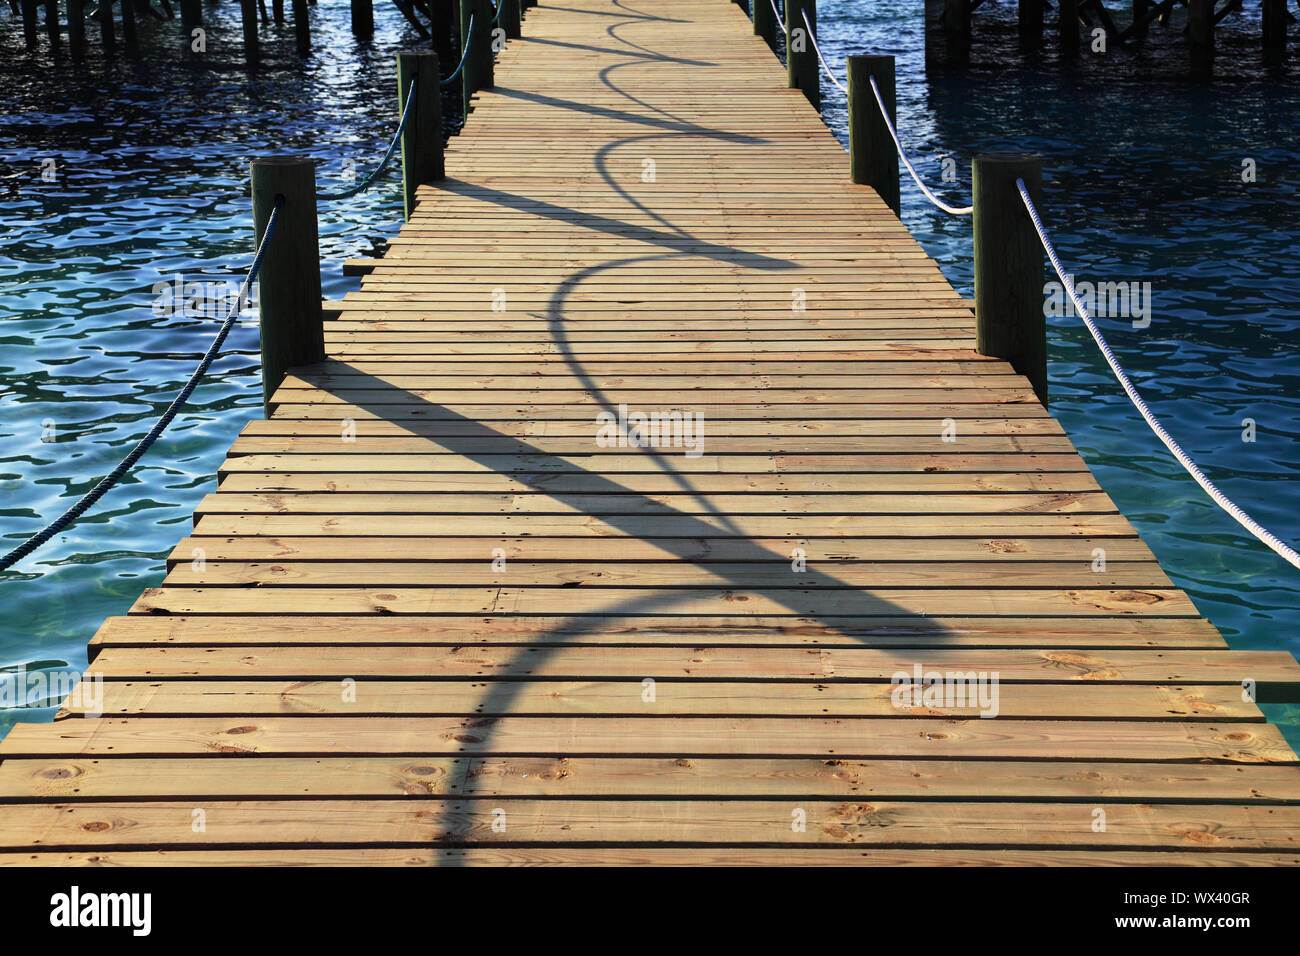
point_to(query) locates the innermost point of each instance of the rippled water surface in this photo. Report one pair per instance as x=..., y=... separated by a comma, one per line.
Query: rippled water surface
x=1142, y=182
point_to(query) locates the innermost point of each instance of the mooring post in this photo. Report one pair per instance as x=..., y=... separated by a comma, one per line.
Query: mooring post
x=248, y=17
x=301, y=27
x=128, y=27
x=289, y=291
x=510, y=19
x=478, y=65
x=1067, y=18
x=1009, y=318
x=1274, y=26
x=363, y=18
x=765, y=22
x=486, y=58
x=191, y=13
x=52, y=24
x=801, y=68
x=422, y=160
x=29, y=23
x=77, y=28
x=873, y=159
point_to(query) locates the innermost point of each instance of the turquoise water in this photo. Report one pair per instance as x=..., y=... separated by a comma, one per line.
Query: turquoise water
x=1142, y=182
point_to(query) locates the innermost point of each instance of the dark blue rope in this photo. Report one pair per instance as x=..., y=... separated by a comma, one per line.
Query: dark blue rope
x=464, y=55
x=383, y=163
x=112, y=478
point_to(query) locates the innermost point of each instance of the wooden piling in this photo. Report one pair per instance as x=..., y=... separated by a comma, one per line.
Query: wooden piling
x=191, y=13
x=129, y=39
x=1274, y=25
x=801, y=68
x=106, y=36
x=440, y=28
x=1067, y=18
x=289, y=289
x=484, y=79
x=510, y=19
x=1200, y=35
x=873, y=158
x=478, y=65
x=248, y=17
x=52, y=24
x=363, y=18
x=77, y=28
x=1030, y=18
x=301, y=27
x=1140, y=22
x=277, y=10
x=765, y=22
x=422, y=160
x=956, y=30
x=29, y=23
x=1009, y=318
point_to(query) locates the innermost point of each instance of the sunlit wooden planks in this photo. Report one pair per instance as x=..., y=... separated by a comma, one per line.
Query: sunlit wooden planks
x=427, y=618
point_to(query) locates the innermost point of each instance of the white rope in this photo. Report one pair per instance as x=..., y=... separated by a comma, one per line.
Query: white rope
x=893, y=134
x=1246, y=521
x=818, y=50
x=780, y=21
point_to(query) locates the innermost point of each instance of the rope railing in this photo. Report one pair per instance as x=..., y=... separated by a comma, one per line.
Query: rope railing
x=464, y=55
x=780, y=20
x=388, y=155
x=1286, y=552
x=893, y=133
x=113, y=477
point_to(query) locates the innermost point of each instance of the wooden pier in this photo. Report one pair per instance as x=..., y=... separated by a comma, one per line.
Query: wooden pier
x=428, y=618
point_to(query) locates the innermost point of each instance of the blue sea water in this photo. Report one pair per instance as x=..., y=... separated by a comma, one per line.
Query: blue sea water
x=1142, y=182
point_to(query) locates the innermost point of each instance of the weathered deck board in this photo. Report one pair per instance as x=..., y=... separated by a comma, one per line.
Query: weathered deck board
x=424, y=601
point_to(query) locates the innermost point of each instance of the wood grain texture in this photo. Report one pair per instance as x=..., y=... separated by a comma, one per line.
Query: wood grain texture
x=432, y=614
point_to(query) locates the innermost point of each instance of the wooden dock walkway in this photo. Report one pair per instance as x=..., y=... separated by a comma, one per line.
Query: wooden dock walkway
x=468, y=633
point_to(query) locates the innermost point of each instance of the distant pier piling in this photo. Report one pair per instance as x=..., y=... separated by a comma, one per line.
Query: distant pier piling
x=301, y=27
x=77, y=28
x=289, y=288
x=1200, y=36
x=1274, y=26
x=363, y=18
x=248, y=18
x=1009, y=319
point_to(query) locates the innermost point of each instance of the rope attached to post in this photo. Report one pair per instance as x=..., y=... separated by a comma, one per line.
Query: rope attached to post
x=464, y=55
x=780, y=20
x=112, y=478
x=1286, y=552
x=893, y=133
x=383, y=163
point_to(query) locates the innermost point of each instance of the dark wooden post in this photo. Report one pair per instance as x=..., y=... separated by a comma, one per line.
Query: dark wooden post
x=765, y=22
x=301, y=27
x=248, y=16
x=440, y=28
x=191, y=13
x=510, y=19
x=363, y=18
x=1274, y=26
x=128, y=27
x=289, y=291
x=422, y=160
x=486, y=78
x=1067, y=13
x=1009, y=318
x=956, y=30
x=29, y=23
x=106, y=36
x=873, y=159
x=1200, y=35
x=1140, y=8
x=801, y=68
x=1031, y=23
x=77, y=28
x=52, y=24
